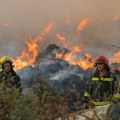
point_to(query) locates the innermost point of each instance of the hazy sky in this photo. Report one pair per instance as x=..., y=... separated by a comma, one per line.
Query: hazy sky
x=22, y=17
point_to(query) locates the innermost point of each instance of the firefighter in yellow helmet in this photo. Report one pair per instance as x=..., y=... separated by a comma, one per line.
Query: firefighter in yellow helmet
x=8, y=76
x=102, y=87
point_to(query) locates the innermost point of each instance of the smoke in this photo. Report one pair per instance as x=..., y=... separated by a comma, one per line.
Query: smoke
x=65, y=74
x=29, y=17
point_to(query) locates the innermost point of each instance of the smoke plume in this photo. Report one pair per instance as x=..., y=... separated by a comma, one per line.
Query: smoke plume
x=20, y=18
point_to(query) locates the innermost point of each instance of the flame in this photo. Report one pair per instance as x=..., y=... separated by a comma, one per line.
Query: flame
x=77, y=49
x=88, y=62
x=73, y=58
x=48, y=28
x=29, y=54
x=63, y=41
x=60, y=37
x=116, y=58
x=82, y=25
x=59, y=55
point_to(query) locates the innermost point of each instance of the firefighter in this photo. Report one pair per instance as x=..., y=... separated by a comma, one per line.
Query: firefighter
x=102, y=86
x=8, y=76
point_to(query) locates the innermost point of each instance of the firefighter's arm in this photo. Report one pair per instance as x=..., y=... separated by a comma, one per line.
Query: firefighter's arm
x=116, y=94
x=88, y=92
x=18, y=82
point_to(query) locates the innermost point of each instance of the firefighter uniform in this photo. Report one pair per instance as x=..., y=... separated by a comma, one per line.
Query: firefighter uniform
x=10, y=78
x=103, y=89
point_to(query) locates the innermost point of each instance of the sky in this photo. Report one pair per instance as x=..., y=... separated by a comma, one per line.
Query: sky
x=19, y=18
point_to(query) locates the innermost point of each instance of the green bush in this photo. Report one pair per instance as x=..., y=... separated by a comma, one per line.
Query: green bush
x=15, y=106
x=43, y=104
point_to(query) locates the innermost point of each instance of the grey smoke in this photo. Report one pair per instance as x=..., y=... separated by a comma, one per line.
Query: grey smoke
x=29, y=17
x=65, y=74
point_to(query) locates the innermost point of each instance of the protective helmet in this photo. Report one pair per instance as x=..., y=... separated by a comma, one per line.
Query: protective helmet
x=102, y=59
x=0, y=63
x=5, y=59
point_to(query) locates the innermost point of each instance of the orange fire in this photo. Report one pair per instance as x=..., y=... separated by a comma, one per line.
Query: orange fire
x=60, y=37
x=77, y=49
x=82, y=25
x=72, y=58
x=48, y=28
x=59, y=55
x=29, y=54
x=116, y=58
x=88, y=62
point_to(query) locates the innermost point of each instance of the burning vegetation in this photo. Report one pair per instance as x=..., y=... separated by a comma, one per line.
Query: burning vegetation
x=65, y=67
x=75, y=56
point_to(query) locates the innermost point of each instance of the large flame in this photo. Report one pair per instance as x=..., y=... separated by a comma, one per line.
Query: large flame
x=88, y=62
x=74, y=57
x=29, y=54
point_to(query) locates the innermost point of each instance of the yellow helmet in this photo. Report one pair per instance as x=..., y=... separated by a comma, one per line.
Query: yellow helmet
x=0, y=63
x=5, y=59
